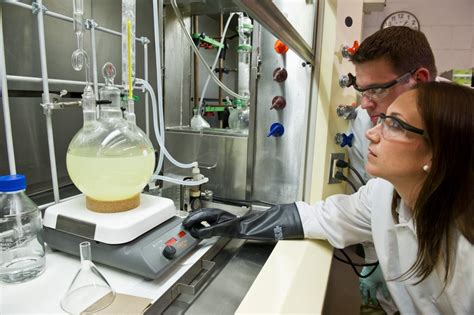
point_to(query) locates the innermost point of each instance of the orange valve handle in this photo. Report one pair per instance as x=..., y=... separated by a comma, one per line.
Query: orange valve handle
x=352, y=50
x=280, y=47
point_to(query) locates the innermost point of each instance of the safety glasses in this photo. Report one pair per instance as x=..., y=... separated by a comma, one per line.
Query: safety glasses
x=377, y=92
x=395, y=128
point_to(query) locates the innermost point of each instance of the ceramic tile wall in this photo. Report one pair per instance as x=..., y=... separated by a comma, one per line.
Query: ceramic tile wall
x=448, y=25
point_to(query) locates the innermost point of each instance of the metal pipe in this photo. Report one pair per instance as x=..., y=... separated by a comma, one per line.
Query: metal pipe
x=147, y=111
x=18, y=78
x=94, y=58
x=63, y=17
x=221, y=61
x=106, y=30
x=46, y=100
x=267, y=14
x=196, y=65
x=157, y=29
x=49, y=13
x=251, y=142
x=6, y=105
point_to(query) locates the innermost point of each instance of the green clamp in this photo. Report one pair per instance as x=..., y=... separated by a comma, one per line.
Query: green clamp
x=208, y=109
x=240, y=103
x=246, y=28
x=206, y=39
x=244, y=48
x=135, y=98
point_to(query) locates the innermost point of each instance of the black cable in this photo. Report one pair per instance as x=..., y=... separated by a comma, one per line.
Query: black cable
x=351, y=263
x=344, y=164
x=362, y=181
x=355, y=264
x=341, y=176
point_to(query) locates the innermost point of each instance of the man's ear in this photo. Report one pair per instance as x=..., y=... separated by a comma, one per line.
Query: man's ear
x=422, y=75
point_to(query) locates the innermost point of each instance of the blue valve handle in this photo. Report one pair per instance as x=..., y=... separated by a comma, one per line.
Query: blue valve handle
x=276, y=130
x=343, y=139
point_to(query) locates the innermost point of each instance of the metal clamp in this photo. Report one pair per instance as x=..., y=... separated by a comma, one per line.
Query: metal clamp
x=36, y=8
x=181, y=288
x=90, y=24
x=144, y=40
x=60, y=105
x=56, y=104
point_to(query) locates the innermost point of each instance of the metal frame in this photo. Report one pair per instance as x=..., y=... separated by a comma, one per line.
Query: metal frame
x=254, y=77
x=270, y=16
x=39, y=10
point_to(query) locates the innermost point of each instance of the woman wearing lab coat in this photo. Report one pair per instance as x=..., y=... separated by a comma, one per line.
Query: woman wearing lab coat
x=418, y=212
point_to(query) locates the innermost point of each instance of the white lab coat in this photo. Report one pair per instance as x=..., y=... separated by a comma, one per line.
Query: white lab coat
x=360, y=145
x=358, y=159
x=366, y=216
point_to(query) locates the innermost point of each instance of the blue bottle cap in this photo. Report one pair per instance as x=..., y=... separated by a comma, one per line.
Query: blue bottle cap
x=12, y=183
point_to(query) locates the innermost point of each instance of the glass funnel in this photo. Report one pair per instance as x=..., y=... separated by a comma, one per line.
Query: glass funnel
x=89, y=291
x=110, y=159
x=198, y=122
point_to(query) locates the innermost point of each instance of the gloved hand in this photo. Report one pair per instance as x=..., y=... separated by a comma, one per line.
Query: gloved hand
x=277, y=223
x=368, y=286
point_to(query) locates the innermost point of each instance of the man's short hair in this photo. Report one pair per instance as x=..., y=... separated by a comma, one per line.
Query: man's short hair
x=405, y=48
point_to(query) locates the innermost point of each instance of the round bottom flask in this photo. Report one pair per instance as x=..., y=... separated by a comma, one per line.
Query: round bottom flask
x=110, y=159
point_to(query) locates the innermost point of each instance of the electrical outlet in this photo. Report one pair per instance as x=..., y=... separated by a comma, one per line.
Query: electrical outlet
x=333, y=168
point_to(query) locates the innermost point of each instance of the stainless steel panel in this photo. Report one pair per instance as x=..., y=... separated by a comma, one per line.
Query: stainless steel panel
x=275, y=164
x=177, y=79
x=268, y=14
x=221, y=157
x=199, y=7
x=278, y=162
x=179, y=72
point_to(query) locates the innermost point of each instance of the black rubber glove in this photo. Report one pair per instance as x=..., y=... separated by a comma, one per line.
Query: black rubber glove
x=277, y=223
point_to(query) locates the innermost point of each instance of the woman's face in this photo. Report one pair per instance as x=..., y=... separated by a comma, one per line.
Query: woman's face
x=396, y=154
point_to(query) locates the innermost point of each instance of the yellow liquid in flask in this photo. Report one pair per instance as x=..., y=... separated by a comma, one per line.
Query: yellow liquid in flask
x=110, y=178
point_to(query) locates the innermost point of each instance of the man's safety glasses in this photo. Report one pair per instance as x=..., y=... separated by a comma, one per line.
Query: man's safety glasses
x=395, y=128
x=377, y=92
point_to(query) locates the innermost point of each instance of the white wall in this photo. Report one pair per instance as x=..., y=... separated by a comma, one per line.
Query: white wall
x=448, y=25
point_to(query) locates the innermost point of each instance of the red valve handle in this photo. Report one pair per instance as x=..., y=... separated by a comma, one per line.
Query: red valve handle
x=352, y=50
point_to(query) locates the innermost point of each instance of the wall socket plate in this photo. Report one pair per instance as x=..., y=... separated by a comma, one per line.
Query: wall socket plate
x=332, y=167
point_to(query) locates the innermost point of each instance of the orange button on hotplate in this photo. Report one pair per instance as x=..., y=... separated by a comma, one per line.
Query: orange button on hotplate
x=171, y=241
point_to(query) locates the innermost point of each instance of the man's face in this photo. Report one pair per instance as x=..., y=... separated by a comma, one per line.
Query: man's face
x=379, y=72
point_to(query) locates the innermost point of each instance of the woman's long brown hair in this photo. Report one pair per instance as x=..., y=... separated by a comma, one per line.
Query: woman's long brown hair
x=445, y=205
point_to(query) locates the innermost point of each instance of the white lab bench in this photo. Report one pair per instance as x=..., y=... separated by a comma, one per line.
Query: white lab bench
x=293, y=279
x=42, y=295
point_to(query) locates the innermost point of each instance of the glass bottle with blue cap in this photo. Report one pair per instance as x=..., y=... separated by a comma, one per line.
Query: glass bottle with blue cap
x=21, y=243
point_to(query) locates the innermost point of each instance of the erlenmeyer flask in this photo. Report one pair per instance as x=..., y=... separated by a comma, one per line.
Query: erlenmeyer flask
x=89, y=291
